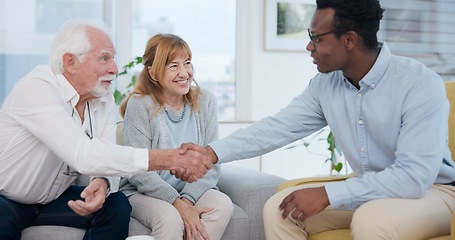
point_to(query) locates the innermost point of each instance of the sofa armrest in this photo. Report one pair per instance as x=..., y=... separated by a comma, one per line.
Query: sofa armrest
x=250, y=190
x=311, y=180
x=452, y=227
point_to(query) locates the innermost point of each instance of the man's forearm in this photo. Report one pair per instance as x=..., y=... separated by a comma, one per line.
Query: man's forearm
x=160, y=159
x=166, y=159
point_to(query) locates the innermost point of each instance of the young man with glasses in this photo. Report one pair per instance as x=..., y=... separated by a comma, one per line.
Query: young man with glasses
x=389, y=115
x=58, y=123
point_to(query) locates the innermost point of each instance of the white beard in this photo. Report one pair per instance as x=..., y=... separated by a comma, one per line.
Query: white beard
x=99, y=90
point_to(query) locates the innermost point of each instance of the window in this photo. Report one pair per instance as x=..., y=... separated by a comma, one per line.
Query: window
x=207, y=26
x=25, y=43
x=50, y=14
x=422, y=31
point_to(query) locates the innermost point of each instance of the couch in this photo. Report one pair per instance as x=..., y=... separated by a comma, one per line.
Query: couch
x=248, y=189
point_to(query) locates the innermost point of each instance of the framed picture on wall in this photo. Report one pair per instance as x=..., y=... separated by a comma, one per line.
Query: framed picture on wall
x=286, y=23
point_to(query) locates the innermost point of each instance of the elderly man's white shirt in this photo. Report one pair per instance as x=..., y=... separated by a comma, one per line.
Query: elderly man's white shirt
x=40, y=135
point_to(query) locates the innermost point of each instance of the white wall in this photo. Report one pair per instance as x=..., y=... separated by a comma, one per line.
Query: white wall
x=276, y=77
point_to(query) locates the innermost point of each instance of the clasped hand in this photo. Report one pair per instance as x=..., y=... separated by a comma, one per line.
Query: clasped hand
x=192, y=163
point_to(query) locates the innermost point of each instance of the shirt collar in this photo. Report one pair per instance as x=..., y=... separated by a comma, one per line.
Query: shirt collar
x=374, y=76
x=71, y=96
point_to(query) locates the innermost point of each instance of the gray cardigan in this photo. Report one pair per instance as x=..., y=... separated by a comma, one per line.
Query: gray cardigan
x=142, y=131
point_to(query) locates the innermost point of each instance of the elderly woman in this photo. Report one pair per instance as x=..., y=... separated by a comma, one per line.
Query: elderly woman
x=163, y=111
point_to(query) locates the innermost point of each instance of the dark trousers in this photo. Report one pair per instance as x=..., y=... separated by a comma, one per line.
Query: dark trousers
x=110, y=222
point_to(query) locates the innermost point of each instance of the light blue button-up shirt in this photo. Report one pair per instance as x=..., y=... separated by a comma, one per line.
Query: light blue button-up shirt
x=393, y=130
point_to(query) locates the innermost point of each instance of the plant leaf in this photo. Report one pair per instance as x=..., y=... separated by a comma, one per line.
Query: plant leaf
x=118, y=96
x=338, y=167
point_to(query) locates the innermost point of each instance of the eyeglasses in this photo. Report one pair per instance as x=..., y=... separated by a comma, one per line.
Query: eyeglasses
x=174, y=67
x=315, y=38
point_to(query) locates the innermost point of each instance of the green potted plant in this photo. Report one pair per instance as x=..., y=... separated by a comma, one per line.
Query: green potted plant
x=120, y=94
x=334, y=149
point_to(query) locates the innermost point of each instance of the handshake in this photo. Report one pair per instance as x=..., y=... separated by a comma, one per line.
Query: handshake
x=189, y=162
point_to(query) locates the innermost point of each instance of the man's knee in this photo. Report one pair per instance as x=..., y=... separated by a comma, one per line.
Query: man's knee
x=5, y=207
x=271, y=207
x=118, y=203
x=270, y=210
x=370, y=218
x=11, y=224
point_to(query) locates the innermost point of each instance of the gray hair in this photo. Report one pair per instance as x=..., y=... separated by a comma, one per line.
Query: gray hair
x=72, y=38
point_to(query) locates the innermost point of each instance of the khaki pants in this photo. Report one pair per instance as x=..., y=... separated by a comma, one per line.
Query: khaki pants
x=165, y=222
x=392, y=218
